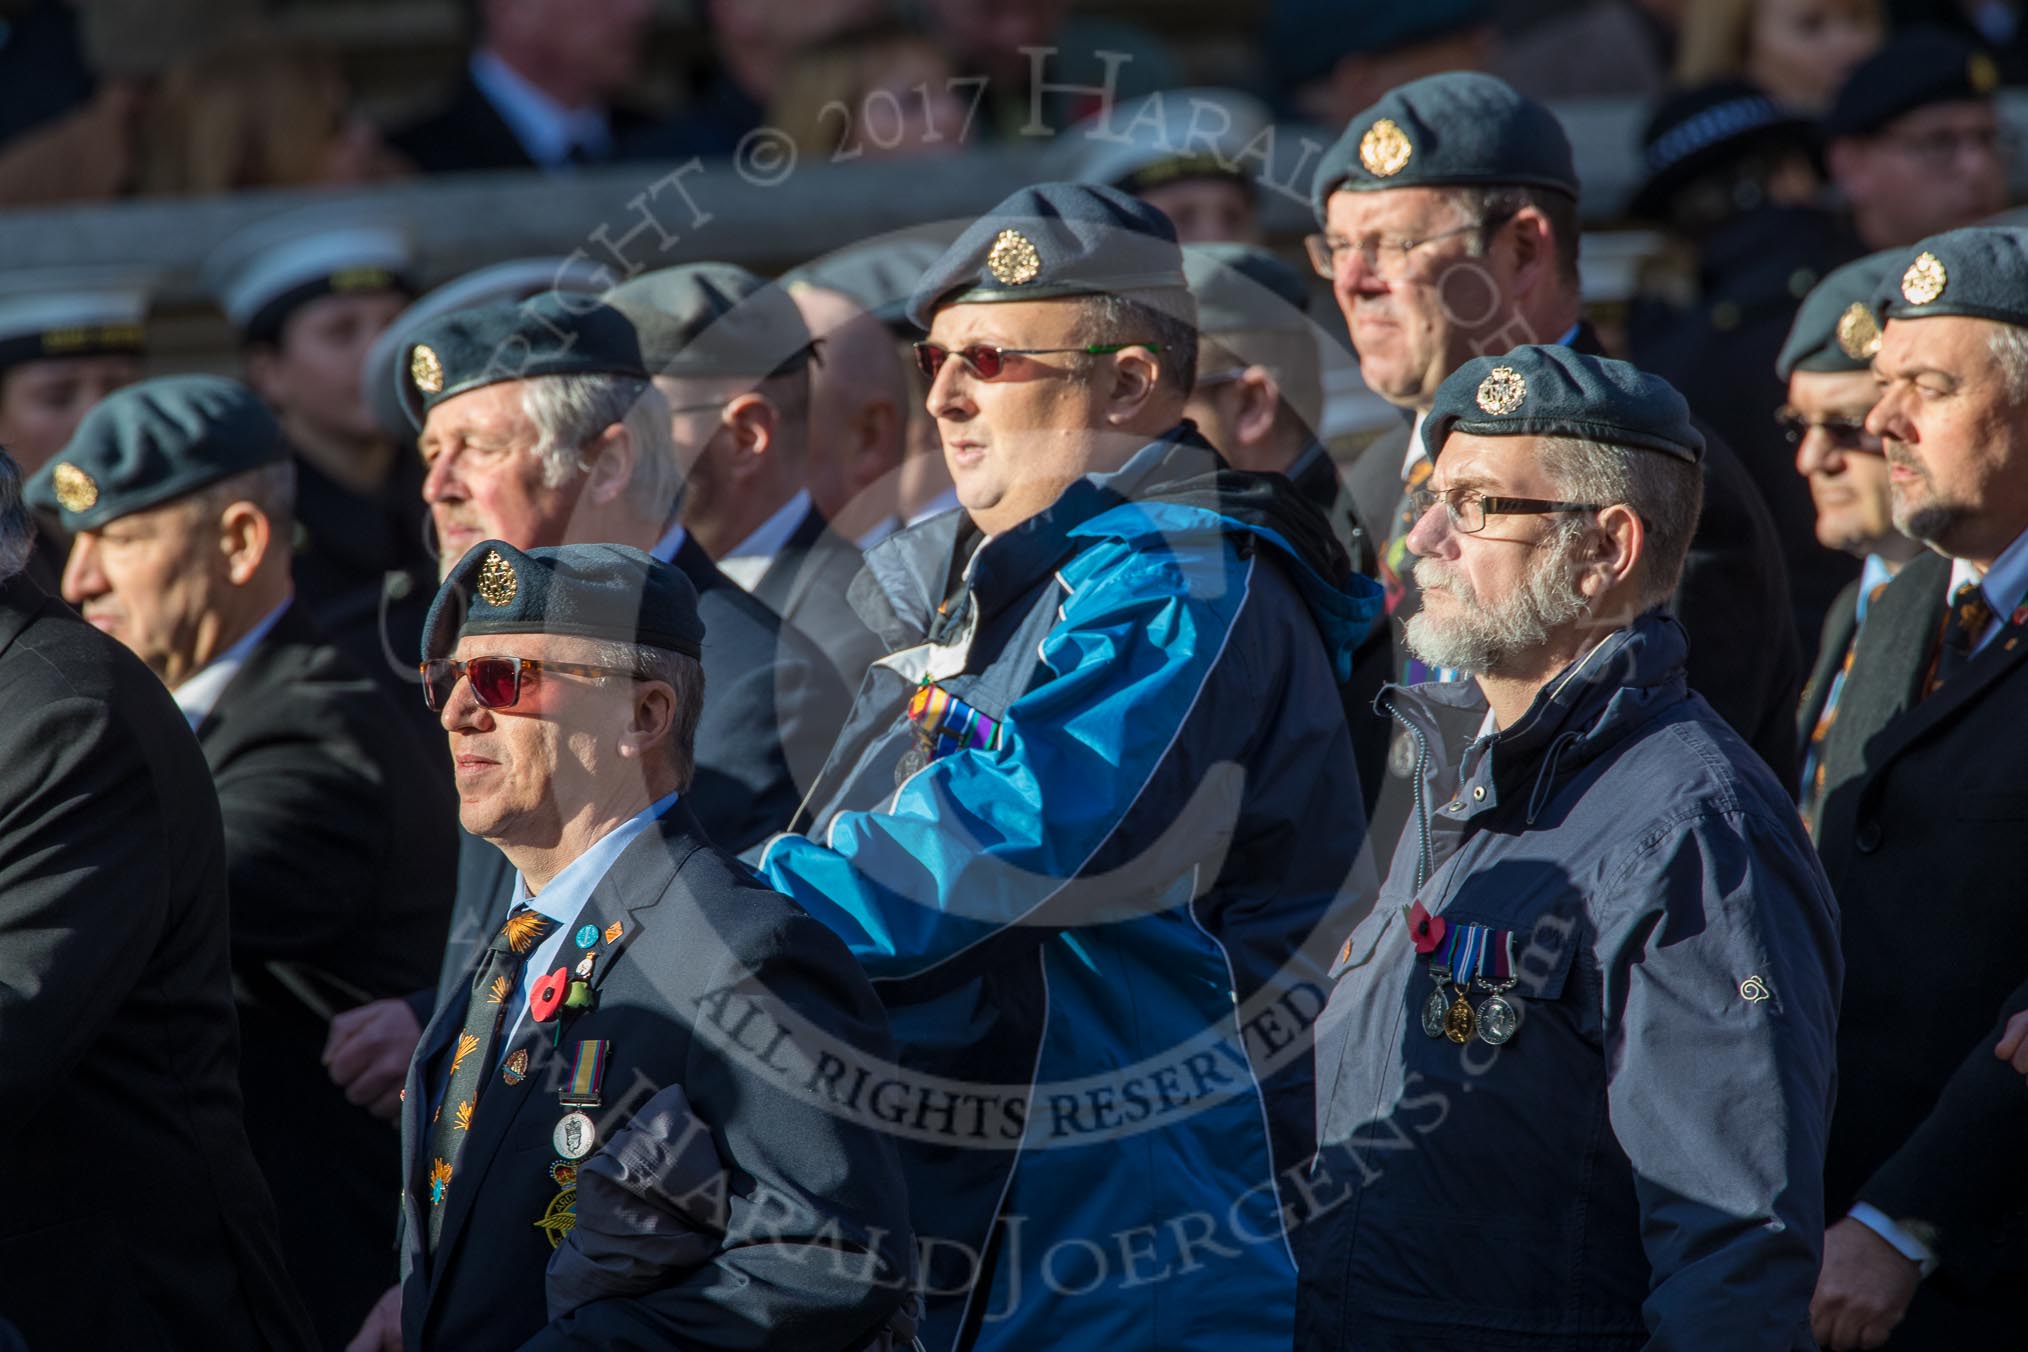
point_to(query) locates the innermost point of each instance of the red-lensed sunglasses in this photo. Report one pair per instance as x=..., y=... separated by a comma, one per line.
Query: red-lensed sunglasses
x=496, y=681
x=987, y=361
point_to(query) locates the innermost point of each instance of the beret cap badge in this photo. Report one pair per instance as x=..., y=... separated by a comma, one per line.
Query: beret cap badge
x=497, y=583
x=76, y=491
x=1012, y=260
x=425, y=369
x=1982, y=73
x=1502, y=391
x=1858, y=332
x=1384, y=149
x=1925, y=279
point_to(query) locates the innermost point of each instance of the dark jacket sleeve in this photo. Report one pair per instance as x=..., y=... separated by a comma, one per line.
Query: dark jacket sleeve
x=81, y=902
x=304, y=834
x=1963, y=1169
x=1721, y=969
x=816, y=1248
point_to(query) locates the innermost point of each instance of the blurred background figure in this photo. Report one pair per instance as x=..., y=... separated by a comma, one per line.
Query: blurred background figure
x=880, y=91
x=1799, y=51
x=543, y=88
x=750, y=48
x=1916, y=146
x=1327, y=59
x=1090, y=60
x=1595, y=49
x=308, y=294
x=859, y=395
x=1192, y=154
x=68, y=338
x=1732, y=176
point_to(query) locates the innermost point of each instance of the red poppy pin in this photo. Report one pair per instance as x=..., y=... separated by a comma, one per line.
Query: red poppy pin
x=1424, y=929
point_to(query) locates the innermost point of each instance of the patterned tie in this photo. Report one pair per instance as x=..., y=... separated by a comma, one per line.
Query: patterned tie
x=1394, y=560
x=1969, y=615
x=497, y=975
x=1813, y=758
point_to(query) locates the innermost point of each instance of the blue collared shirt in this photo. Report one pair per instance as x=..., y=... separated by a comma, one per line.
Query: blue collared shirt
x=547, y=130
x=199, y=694
x=565, y=897
x=2005, y=584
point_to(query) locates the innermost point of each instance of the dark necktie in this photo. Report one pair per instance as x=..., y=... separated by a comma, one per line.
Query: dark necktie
x=478, y=1040
x=1813, y=756
x=1969, y=615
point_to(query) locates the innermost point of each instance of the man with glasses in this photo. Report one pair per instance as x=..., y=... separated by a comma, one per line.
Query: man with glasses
x=607, y=1041
x=1924, y=805
x=178, y=495
x=1914, y=139
x=1089, y=822
x=1827, y=362
x=1575, y=1075
x=1449, y=215
x=732, y=357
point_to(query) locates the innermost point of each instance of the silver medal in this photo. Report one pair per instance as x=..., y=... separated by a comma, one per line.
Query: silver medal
x=1498, y=1019
x=1433, y=1011
x=575, y=1136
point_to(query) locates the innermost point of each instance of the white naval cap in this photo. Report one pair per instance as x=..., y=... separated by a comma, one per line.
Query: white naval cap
x=72, y=312
x=264, y=272
x=515, y=279
x=1167, y=137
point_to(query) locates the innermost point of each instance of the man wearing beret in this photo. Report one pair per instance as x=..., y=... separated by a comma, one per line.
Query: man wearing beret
x=637, y=958
x=732, y=357
x=178, y=494
x=861, y=398
x=1188, y=153
x=1087, y=818
x=540, y=426
x=1575, y=1076
x=137, y=1216
x=1259, y=398
x=1914, y=142
x=1449, y=215
x=1924, y=803
x=1827, y=363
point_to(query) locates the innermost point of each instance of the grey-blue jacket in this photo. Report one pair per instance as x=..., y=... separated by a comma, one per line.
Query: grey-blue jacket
x=1641, y=1165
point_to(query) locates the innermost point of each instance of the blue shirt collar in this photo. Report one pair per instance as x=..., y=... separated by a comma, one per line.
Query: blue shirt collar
x=572, y=887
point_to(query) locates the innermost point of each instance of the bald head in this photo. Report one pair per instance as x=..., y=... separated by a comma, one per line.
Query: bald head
x=858, y=411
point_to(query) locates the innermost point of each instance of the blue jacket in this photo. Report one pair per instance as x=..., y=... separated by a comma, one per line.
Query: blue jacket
x=1102, y=937
x=1641, y=1165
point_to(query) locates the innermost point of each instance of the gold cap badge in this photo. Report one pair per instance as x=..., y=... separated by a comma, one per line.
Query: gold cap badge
x=1858, y=332
x=1981, y=74
x=497, y=583
x=1012, y=260
x=1925, y=279
x=76, y=491
x=425, y=370
x=1384, y=149
x=1502, y=391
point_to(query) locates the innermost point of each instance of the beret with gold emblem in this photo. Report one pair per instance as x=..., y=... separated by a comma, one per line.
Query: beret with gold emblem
x=1836, y=329
x=551, y=333
x=1914, y=68
x=1051, y=241
x=1980, y=272
x=1554, y=391
x=612, y=592
x=1457, y=129
x=152, y=443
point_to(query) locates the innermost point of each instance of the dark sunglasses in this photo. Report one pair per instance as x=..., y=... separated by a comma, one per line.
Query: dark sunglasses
x=1847, y=434
x=496, y=681
x=987, y=361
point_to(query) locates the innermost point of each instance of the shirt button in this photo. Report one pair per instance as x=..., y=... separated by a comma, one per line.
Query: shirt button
x=1869, y=837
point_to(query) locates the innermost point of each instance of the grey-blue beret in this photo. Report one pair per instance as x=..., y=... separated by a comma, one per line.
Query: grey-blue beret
x=1837, y=329
x=1554, y=391
x=612, y=592
x=552, y=333
x=1979, y=271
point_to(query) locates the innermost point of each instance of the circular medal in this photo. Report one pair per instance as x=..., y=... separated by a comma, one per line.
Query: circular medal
x=1433, y=1013
x=1498, y=1018
x=575, y=1136
x=1459, y=1021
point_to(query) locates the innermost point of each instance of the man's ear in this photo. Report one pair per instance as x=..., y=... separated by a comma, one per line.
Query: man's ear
x=754, y=421
x=263, y=362
x=654, y=717
x=244, y=537
x=1260, y=399
x=1136, y=373
x=1618, y=546
x=609, y=464
x=877, y=444
x=1532, y=242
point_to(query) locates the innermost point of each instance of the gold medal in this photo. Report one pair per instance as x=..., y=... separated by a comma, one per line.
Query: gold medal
x=1460, y=1021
